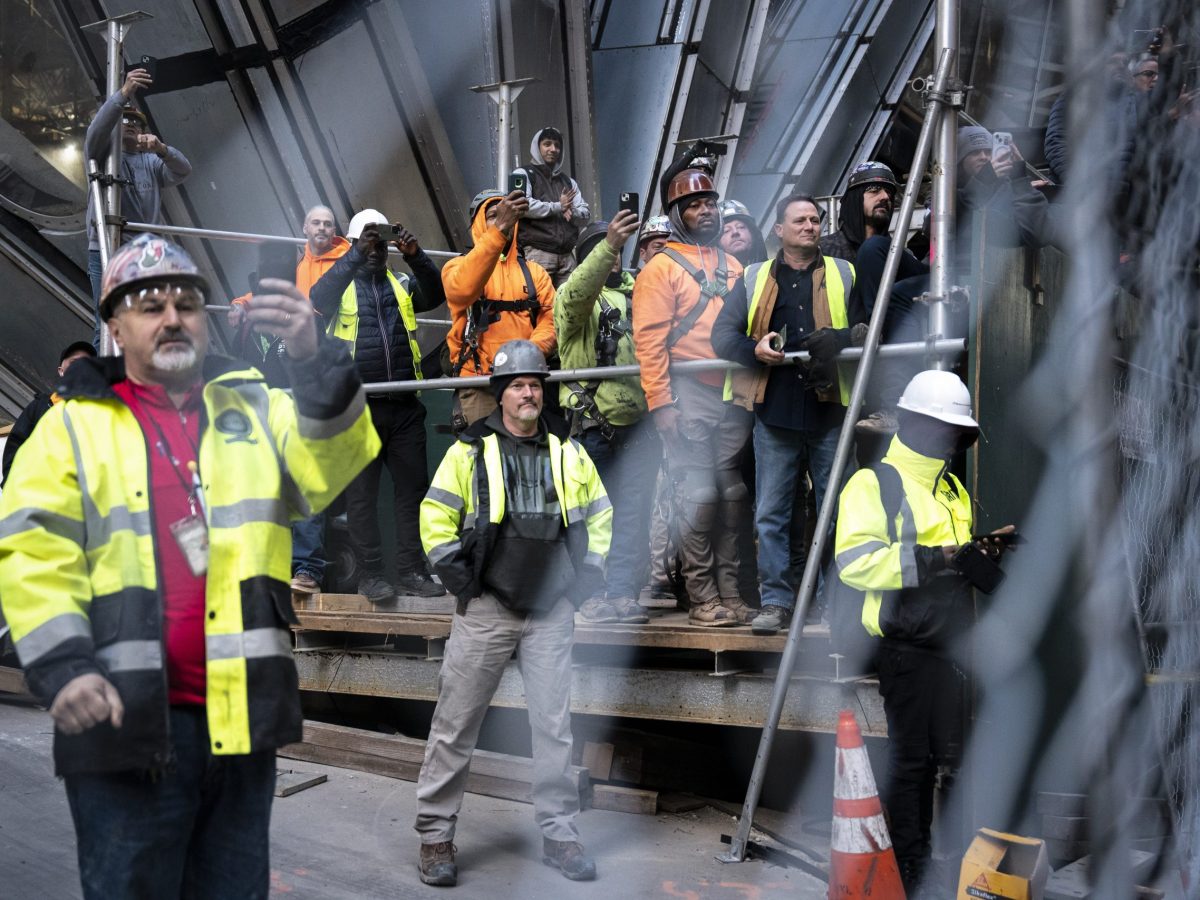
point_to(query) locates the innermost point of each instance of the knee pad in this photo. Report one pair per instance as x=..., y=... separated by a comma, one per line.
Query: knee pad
x=698, y=499
x=733, y=489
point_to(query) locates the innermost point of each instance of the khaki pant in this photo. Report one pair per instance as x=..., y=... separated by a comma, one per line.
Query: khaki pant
x=475, y=403
x=481, y=643
x=557, y=265
x=709, y=491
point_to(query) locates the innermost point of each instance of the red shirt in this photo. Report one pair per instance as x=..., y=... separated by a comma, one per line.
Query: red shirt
x=172, y=432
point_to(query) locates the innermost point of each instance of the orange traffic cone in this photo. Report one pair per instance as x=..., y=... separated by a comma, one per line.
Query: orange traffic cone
x=861, y=861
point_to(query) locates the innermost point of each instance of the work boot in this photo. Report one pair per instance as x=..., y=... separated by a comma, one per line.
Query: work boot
x=629, y=611
x=742, y=611
x=375, y=588
x=598, y=611
x=304, y=583
x=771, y=619
x=712, y=614
x=418, y=584
x=437, y=864
x=568, y=857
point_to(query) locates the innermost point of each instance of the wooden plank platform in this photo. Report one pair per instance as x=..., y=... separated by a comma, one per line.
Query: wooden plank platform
x=354, y=614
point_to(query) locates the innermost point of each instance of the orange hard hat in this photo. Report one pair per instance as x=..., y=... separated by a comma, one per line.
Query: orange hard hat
x=688, y=183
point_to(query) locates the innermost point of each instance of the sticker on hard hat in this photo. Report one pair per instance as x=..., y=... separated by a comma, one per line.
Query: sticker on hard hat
x=501, y=359
x=152, y=255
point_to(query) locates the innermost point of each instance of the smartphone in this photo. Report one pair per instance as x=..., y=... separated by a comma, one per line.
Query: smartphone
x=1009, y=539
x=780, y=340
x=150, y=64
x=276, y=261
x=517, y=181
x=630, y=202
x=978, y=568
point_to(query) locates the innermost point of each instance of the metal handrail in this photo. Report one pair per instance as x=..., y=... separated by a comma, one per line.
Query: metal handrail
x=247, y=237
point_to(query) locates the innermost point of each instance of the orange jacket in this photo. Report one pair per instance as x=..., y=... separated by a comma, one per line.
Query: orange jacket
x=310, y=268
x=491, y=270
x=663, y=294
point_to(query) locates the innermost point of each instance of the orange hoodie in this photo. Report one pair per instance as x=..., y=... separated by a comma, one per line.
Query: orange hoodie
x=491, y=270
x=663, y=294
x=310, y=268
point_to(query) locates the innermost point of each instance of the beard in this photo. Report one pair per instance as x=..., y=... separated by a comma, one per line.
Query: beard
x=174, y=360
x=527, y=412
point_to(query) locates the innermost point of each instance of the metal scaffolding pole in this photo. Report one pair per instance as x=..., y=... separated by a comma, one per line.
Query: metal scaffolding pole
x=115, y=31
x=945, y=178
x=505, y=94
x=938, y=103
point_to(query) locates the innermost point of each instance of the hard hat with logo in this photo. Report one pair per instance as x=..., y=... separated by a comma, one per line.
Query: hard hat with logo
x=656, y=226
x=689, y=183
x=732, y=209
x=939, y=395
x=519, y=357
x=129, y=109
x=483, y=197
x=146, y=260
x=362, y=219
x=588, y=238
x=872, y=172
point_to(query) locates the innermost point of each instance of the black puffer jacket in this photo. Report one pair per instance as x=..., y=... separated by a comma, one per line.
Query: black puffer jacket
x=381, y=350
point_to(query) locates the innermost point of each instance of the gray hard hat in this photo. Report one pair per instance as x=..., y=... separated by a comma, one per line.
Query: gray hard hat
x=518, y=357
x=481, y=198
x=588, y=238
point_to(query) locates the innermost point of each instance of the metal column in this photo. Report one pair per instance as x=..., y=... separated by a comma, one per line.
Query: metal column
x=505, y=93
x=937, y=113
x=945, y=182
x=115, y=30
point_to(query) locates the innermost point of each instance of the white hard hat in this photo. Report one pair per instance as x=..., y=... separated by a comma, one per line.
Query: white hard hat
x=939, y=395
x=362, y=220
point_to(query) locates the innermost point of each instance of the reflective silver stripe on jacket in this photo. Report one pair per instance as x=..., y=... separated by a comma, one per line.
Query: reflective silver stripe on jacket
x=446, y=498
x=234, y=515
x=441, y=551
x=253, y=644
x=30, y=518
x=98, y=528
x=131, y=656
x=50, y=634
x=908, y=546
x=323, y=429
x=854, y=553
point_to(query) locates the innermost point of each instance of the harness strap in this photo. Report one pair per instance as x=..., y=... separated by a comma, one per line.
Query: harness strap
x=717, y=287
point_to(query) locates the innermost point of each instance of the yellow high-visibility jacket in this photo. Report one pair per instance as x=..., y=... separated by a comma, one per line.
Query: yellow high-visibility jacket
x=79, y=578
x=344, y=325
x=910, y=594
x=465, y=504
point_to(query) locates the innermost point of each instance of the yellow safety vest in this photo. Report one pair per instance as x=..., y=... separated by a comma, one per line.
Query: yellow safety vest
x=79, y=571
x=344, y=325
x=838, y=274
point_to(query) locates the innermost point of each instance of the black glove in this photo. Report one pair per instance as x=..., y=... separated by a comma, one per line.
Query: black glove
x=825, y=344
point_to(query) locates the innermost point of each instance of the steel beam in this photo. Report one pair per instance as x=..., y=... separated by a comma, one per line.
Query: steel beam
x=663, y=694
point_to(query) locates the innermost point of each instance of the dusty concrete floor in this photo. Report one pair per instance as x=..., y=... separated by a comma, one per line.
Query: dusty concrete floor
x=352, y=838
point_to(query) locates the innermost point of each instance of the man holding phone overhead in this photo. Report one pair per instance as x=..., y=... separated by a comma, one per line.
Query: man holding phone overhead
x=147, y=166
x=374, y=312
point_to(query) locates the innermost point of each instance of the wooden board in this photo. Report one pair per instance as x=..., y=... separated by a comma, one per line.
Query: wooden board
x=598, y=760
x=12, y=681
x=623, y=799
x=289, y=781
x=679, y=803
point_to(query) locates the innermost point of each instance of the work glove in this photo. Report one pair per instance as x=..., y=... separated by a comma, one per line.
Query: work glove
x=825, y=344
x=858, y=334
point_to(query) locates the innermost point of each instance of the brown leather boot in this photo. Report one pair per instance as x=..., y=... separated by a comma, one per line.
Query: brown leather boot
x=568, y=857
x=712, y=614
x=740, y=609
x=437, y=864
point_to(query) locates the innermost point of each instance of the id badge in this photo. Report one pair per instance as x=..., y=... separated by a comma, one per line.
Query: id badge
x=191, y=535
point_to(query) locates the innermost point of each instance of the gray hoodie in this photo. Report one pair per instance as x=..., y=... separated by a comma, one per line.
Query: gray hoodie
x=141, y=199
x=543, y=186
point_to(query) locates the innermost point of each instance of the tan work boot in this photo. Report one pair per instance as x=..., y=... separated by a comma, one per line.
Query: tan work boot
x=712, y=614
x=568, y=857
x=743, y=612
x=437, y=866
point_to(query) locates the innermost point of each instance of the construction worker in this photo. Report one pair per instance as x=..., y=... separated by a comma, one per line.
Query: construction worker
x=147, y=166
x=901, y=524
x=495, y=295
x=593, y=321
x=144, y=553
x=676, y=300
x=557, y=209
x=652, y=238
x=322, y=248
x=865, y=211
x=801, y=300
x=40, y=405
x=374, y=312
x=740, y=236
x=517, y=546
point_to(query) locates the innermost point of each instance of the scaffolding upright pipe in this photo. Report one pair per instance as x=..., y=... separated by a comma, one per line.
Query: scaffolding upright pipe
x=945, y=184
x=96, y=189
x=936, y=113
x=505, y=94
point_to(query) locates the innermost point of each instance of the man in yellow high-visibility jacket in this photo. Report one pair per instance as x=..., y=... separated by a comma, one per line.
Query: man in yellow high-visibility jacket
x=144, y=565
x=917, y=599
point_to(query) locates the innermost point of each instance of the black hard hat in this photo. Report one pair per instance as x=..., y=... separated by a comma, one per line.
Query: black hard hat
x=872, y=172
x=588, y=238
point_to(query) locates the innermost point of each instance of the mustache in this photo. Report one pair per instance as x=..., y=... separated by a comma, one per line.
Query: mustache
x=172, y=337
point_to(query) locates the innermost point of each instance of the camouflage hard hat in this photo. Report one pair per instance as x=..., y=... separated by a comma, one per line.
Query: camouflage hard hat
x=147, y=260
x=656, y=226
x=872, y=172
x=732, y=209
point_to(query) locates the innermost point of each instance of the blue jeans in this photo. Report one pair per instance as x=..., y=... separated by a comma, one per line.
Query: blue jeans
x=628, y=466
x=95, y=272
x=308, y=546
x=197, y=830
x=781, y=456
